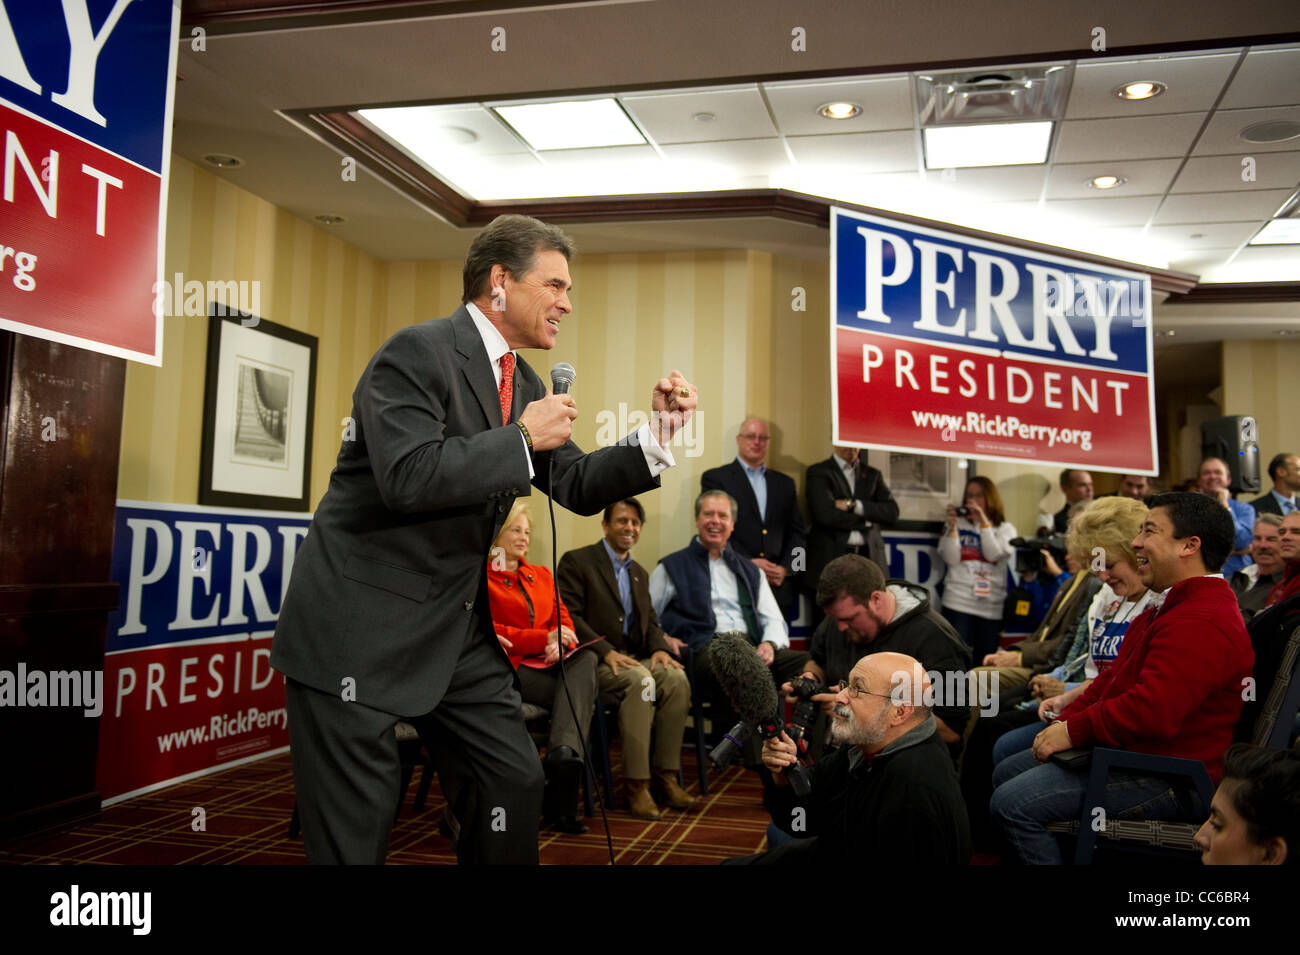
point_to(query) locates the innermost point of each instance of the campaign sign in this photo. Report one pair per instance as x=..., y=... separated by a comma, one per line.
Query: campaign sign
x=188, y=684
x=86, y=107
x=945, y=344
x=910, y=555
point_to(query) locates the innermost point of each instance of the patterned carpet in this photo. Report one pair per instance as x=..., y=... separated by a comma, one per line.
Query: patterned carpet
x=246, y=812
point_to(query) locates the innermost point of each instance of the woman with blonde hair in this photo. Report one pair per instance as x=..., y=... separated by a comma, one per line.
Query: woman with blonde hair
x=522, y=598
x=1101, y=539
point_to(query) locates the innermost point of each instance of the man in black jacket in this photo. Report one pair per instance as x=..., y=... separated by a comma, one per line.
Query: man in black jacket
x=848, y=501
x=889, y=793
x=865, y=614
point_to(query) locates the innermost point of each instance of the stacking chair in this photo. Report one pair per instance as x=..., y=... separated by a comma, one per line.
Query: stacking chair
x=1273, y=727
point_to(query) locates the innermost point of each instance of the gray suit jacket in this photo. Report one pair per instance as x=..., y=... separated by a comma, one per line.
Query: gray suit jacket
x=392, y=574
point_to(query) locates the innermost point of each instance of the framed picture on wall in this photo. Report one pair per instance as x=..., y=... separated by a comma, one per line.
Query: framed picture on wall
x=922, y=484
x=257, y=414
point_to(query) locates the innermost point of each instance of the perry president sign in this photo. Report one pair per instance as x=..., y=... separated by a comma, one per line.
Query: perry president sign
x=949, y=345
x=85, y=110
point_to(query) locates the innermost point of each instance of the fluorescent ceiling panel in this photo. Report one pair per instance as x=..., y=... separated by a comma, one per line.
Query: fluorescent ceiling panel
x=986, y=144
x=575, y=124
x=1279, y=232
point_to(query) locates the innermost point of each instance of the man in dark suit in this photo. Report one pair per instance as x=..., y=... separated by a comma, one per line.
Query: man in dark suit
x=848, y=501
x=1284, y=470
x=608, y=596
x=386, y=613
x=769, y=528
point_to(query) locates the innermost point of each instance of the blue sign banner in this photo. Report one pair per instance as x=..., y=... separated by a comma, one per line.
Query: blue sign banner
x=191, y=574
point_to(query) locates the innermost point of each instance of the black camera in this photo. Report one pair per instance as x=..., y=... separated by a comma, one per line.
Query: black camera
x=963, y=511
x=1029, y=552
x=805, y=708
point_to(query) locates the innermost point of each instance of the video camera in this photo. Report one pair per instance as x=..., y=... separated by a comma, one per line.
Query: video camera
x=1029, y=552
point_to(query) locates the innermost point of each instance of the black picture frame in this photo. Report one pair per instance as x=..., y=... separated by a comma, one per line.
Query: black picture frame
x=258, y=413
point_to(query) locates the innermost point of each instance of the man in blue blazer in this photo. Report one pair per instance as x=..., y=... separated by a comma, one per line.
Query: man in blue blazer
x=386, y=614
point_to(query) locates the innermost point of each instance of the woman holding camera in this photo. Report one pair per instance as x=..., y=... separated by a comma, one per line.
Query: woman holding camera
x=976, y=546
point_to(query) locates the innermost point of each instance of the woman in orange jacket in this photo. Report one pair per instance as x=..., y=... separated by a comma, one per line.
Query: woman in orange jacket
x=523, y=600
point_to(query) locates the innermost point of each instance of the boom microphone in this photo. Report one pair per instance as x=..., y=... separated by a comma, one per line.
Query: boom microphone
x=562, y=376
x=749, y=687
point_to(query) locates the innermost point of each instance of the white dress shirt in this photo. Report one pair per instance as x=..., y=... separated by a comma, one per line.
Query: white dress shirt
x=657, y=458
x=724, y=596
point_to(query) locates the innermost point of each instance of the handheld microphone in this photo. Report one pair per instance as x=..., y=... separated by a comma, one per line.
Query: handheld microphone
x=749, y=687
x=562, y=376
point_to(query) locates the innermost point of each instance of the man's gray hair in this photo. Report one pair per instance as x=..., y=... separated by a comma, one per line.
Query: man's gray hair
x=511, y=241
x=699, y=502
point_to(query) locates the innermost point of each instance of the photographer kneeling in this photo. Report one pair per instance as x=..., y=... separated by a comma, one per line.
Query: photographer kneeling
x=888, y=792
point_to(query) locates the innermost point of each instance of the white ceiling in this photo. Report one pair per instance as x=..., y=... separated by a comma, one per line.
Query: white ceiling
x=1180, y=154
x=1184, y=203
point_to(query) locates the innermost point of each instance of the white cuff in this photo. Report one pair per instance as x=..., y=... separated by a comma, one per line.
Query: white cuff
x=532, y=473
x=657, y=458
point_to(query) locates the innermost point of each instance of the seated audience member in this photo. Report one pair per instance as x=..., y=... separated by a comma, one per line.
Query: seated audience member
x=1041, y=651
x=1175, y=689
x=977, y=549
x=1136, y=486
x=1077, y=487
x=887, y=794
x=866, y=614
x=1018, y=663
x=1288, y=547
x=608, y=594
x=707, y=588
x=1213, y=482
x=1284, y=470
x=1107, y=529
x=769, y=528
x=1101, y=536
x=522, y=600
x=1254, y=582
x=1255, y=815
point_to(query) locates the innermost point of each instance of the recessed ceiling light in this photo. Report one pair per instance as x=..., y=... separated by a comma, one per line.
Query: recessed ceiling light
x=573, y=124
x=1169, y=332
x=1278, y=232
x=986, y=144
x=840, y=110
x=1140, y=89
x=326, y=218
x=704, y=117
x=1287, y=332
x=1271, y=131
x=1106, y=182
x=222, y=161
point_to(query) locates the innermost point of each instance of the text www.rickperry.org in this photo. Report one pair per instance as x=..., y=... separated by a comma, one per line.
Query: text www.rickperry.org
x=223, y=727
x=976, y=422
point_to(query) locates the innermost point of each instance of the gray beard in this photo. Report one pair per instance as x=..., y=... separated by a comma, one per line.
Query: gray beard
x=849, y=732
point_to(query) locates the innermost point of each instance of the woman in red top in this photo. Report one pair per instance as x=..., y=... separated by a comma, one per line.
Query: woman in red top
x=522, y=599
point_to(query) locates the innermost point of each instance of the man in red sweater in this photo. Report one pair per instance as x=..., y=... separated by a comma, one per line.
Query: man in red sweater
x=1175, y=689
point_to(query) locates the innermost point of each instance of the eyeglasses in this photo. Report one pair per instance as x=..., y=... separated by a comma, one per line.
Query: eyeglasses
x=856, y=690
x=760, y=438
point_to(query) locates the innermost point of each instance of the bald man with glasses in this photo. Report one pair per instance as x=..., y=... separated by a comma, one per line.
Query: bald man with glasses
x=888, y=793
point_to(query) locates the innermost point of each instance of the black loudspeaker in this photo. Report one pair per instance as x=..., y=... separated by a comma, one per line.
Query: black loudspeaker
x=1235, y=439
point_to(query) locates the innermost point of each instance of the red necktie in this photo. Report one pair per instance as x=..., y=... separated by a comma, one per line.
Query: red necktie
x=506, y=388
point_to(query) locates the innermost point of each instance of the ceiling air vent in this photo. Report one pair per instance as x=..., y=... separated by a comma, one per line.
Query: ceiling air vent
x=992, y=95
